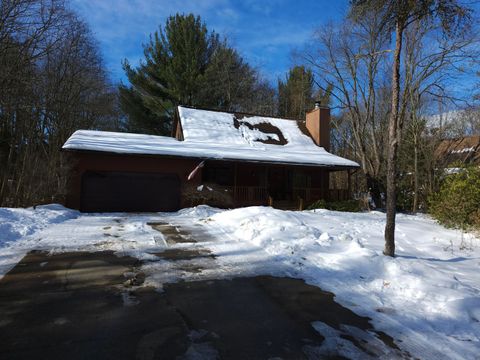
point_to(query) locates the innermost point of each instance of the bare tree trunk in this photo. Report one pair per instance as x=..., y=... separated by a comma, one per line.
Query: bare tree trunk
x=415, y=172
x=393, y=135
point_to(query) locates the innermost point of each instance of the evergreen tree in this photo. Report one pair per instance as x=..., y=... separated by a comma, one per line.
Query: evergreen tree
x=295, y=95
x=229, y=81
x=172, y=73
x=324, y=95
x=185, y=64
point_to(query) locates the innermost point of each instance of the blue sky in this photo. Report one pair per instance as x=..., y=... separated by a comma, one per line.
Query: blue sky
x=264, y=31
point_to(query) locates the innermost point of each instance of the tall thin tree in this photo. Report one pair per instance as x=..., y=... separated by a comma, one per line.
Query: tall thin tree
x=398, y=15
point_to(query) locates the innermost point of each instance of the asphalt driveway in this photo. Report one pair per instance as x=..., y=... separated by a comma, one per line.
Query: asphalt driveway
x=94, y=305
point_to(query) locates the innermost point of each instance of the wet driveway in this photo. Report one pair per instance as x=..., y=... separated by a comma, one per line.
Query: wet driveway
x=83, y=305
x=90, y=305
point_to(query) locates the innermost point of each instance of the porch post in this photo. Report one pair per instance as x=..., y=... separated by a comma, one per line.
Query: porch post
x=235, y=183
x=349, y=186
x=265, y=184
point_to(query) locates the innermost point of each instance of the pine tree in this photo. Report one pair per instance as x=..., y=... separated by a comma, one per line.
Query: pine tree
x=295, y=95
x=229, y=81
x=172, y=73
x=185, y=64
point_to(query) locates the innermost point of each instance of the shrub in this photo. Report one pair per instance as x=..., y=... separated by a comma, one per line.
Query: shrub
x=458, y=200
x=345, y=205
x=404, y=196
x=209, y=194
x=319, y=204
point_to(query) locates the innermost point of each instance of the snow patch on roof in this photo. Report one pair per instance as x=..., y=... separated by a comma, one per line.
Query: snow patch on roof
x=227, y=128
x=464, y=150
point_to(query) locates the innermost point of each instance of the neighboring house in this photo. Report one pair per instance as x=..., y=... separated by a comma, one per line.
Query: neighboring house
x=464, y=150
x=247, y=159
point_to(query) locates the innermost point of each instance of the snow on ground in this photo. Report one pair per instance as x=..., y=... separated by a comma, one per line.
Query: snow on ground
x=57, y=229
x=16, y=223
x=427, y=298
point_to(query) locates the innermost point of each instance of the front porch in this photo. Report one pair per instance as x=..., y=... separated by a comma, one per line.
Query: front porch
x=282, y=186
x=259, y=195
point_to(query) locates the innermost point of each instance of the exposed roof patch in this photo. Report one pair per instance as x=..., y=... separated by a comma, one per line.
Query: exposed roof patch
x=265, y=132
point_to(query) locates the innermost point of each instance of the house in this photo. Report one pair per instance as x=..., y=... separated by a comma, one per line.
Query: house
x=245, y=159
x=464, y=150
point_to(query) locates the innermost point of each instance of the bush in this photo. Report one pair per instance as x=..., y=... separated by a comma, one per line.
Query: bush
x=345, y=205
x=208, y=194
x=404, y=196
x=319, y=204
x=457, y=203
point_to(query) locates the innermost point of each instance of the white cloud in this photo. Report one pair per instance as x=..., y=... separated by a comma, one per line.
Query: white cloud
x=228, y=14
x=122, y=26
x=263, y=7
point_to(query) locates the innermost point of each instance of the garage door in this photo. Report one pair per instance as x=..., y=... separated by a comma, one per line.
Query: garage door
x=129, y=192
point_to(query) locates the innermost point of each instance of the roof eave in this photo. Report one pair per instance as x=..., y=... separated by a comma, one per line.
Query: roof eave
x=271, y=162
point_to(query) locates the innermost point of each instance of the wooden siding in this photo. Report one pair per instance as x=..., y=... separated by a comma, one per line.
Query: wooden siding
x=83, y=162
x=248, y=183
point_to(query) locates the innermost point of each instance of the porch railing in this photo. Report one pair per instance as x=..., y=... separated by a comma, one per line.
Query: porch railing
x=249, y=194
x=338, y=194
x=246, y=194
x=312, y=194
x=308, y=194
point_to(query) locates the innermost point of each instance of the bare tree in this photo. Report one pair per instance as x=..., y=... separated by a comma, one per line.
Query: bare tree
x=433, y=64
x=397, y=17
x=52, y=83
x=350, y=60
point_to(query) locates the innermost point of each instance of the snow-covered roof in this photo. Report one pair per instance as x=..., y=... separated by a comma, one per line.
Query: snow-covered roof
x=220, y=136
x=248, y=131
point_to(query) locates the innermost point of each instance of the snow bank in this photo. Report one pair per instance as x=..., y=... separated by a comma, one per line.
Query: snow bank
x=432, y=287
x=198, y=212
x=16, y=223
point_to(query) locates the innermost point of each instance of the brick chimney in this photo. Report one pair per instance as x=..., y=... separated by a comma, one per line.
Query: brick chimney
x=318, y=124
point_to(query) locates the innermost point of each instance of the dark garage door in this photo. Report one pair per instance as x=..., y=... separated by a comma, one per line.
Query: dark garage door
x=129, y=192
